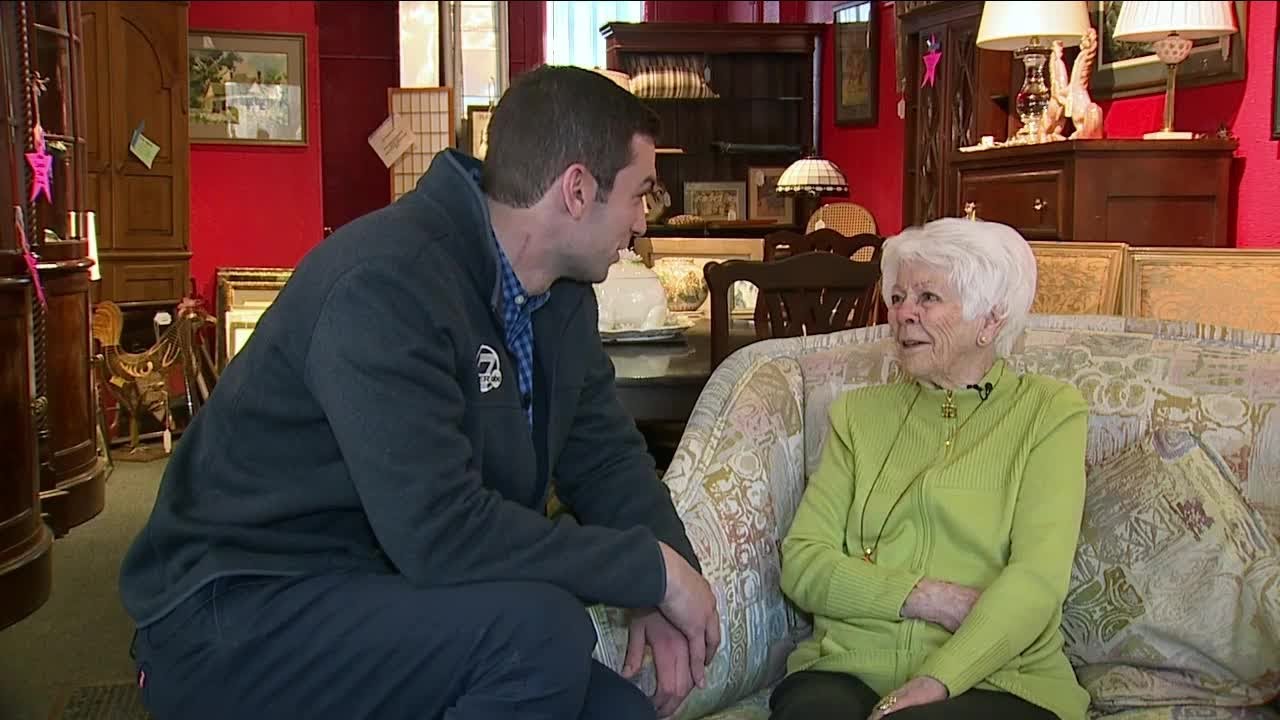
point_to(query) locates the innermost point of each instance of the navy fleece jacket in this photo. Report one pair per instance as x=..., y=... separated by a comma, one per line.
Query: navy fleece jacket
x=363, y=428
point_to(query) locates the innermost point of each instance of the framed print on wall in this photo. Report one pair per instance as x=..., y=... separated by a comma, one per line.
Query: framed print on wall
x=247, y=88
x=857, y=65
x=1127, y=68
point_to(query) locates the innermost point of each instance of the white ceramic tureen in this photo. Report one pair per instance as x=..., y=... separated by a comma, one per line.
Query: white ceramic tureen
x=631, y=297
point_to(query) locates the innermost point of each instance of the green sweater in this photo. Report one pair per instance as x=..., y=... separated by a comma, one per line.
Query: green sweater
x=1000, y=511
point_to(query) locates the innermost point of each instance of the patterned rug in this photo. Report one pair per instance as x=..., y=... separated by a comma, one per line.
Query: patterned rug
x=102, y=702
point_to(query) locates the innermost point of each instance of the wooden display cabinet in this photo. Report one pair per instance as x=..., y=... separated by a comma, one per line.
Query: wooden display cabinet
x=765, y=115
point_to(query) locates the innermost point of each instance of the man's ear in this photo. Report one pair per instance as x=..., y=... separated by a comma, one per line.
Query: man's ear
x=577, y=189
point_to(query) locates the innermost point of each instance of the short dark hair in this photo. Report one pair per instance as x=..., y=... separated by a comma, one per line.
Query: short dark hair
x=555, y=116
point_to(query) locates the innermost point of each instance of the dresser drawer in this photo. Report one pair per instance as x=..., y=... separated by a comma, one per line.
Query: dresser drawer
x=1034, y=201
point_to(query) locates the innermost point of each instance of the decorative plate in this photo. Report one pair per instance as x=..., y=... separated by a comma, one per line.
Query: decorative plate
x=667, y=333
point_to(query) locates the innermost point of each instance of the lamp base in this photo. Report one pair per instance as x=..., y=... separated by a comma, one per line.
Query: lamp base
x=1169, y=135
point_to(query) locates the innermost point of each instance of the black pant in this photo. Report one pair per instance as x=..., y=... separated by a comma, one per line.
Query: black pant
x=812, y=695
x=358, y=646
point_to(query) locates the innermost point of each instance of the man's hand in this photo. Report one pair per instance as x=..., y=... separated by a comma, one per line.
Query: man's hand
x=918, y=691
x=691, y=606
x=940, y=602
x=670, y=658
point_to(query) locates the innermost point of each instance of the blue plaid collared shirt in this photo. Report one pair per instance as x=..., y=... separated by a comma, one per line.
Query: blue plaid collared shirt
x=517, y=322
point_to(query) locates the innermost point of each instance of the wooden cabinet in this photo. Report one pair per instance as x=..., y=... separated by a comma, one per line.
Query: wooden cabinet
x=764, y=113
x=969, y=98
x=136, y=79
x=1140, y=192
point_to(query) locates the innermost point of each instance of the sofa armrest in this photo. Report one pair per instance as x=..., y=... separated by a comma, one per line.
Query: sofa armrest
x=736, y=479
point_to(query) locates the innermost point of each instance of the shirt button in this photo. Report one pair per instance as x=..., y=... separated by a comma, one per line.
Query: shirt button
x=519, y=299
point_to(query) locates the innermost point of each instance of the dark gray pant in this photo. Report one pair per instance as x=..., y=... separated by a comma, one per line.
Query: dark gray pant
x=353, y=646
x=813, y=695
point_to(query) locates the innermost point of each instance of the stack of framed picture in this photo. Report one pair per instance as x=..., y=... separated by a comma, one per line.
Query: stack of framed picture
x=756, y=200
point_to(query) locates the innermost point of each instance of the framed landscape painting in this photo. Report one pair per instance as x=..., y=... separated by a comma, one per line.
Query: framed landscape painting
x=247, y=88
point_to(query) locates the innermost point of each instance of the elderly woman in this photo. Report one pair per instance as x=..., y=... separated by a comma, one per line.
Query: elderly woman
x=933, y=545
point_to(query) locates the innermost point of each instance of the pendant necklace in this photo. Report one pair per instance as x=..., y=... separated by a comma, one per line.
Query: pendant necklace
x=949, y=412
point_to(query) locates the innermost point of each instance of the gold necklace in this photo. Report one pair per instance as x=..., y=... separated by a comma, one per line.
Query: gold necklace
x=868, y=551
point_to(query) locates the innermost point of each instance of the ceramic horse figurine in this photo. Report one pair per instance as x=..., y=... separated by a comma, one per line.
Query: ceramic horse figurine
x=1083, y=111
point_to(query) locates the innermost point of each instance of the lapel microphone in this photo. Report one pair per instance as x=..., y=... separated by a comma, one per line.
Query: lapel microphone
x=984, y=390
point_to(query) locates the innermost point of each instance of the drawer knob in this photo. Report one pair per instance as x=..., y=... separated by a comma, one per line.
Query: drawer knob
x=1039, y=205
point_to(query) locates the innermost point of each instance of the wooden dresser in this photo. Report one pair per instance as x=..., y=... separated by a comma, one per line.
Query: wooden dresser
x=1140, y=192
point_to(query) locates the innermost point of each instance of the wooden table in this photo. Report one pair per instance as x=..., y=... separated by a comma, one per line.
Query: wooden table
x=661, y=382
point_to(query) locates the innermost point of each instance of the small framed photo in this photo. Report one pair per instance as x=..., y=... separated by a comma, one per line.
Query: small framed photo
x=716, y=200
x=478, y=130
x=763, y=200
x=247, y=88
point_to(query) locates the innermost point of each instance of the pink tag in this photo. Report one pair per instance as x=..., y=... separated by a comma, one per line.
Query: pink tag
x=142, y=678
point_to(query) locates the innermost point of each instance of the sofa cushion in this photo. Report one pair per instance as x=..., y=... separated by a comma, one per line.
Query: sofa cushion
x=736, y=512
x=1175, y=590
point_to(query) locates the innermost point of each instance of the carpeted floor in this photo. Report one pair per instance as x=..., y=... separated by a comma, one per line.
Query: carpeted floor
x=80, y=638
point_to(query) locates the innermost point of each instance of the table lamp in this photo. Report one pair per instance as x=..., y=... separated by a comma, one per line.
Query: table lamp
x=1028, y=29
x=1171, y=27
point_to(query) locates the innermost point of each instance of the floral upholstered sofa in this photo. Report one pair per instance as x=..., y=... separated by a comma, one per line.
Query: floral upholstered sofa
x=1174, y=607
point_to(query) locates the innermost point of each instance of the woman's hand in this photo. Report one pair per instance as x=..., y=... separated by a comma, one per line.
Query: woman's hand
x=918, y=691
x=937, y=601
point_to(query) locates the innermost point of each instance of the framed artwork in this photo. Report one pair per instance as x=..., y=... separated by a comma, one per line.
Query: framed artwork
x=242, y=295
x=702, y=251
x=1126, y=68
x=247, y=88
x=763, y=200
x=856, y=62
x=716, y=200
x=478, y=130
x=1275, y=93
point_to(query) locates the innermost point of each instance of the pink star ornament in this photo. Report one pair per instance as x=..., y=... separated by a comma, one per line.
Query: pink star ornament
x=931, y=60
x=41, y=164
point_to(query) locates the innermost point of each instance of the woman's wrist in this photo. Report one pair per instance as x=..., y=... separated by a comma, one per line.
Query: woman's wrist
x=919, y=602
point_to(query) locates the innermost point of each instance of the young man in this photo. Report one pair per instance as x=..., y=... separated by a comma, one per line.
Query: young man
x=354, y=525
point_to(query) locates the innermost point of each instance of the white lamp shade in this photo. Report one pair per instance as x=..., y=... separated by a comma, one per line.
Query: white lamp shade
x=1150, y=21
x=1012, y=25
x=813, y=176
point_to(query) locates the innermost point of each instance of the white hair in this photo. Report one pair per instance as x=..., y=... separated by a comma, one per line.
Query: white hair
x=989, y=264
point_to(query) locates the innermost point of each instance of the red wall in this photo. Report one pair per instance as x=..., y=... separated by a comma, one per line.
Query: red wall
x=526, y=35
x=872, y=157
x=256, y=205
x=359, y=59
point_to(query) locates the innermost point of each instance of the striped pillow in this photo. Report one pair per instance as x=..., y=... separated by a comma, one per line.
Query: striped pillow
x=669, y=76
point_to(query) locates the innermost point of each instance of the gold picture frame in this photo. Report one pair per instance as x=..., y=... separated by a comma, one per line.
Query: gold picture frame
x=247, y=88
x=242, y=294
x=1233, y=288
x=1078, y=278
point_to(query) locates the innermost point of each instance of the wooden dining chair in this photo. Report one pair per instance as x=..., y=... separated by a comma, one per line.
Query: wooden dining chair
x=862, y=247
x=806, y=294
x=785, y=243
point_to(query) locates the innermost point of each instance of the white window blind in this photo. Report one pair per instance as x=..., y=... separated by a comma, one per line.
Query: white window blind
x=573, y=29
